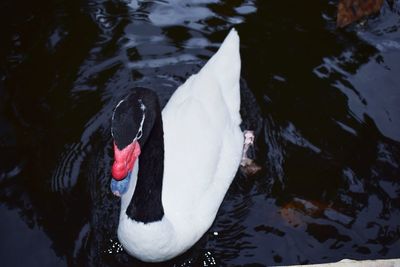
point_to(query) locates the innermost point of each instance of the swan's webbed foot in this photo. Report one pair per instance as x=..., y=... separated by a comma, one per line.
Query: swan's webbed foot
x=247, y=164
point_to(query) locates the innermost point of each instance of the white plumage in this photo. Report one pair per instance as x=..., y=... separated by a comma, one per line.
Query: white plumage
x=203, y=147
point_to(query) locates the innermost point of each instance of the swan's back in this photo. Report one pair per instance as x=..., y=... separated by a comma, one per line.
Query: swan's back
x=203, y=140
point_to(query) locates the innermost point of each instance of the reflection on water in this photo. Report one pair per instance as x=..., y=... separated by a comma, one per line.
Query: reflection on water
x=328, y=135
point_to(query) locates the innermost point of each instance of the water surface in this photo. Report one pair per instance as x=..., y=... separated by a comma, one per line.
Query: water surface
x=327, y=113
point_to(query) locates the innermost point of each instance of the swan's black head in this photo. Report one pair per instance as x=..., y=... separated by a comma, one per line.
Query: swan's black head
x=127, y=121
x=131, y=124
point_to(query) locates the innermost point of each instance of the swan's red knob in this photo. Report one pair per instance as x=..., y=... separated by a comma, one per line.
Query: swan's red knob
x=124, y=160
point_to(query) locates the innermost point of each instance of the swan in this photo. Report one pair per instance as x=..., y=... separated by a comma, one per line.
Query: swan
x=172, y=167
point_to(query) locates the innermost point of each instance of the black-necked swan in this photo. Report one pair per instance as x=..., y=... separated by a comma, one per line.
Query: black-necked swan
x=178, y=163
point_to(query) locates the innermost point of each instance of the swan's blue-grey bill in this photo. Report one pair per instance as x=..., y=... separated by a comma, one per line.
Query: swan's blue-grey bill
x=120, y=187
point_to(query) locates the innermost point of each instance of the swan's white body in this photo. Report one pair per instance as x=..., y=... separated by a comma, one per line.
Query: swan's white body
x=203, y=147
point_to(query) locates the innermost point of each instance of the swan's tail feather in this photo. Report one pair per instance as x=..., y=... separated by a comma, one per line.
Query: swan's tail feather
x=219, y=77
x=224, y=66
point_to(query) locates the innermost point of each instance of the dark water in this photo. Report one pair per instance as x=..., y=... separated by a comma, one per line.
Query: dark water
x=329, y=139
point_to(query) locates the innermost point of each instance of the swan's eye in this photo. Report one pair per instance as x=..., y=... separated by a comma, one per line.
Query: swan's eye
x=139, y=134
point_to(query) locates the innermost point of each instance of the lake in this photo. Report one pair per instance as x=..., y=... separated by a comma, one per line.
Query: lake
x=326, y=108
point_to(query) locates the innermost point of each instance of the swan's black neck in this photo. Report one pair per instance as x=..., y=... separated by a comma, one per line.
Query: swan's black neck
x=146, y=205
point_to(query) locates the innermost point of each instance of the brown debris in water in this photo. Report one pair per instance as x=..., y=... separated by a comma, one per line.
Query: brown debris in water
x=353, y=10
x=294, y=211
